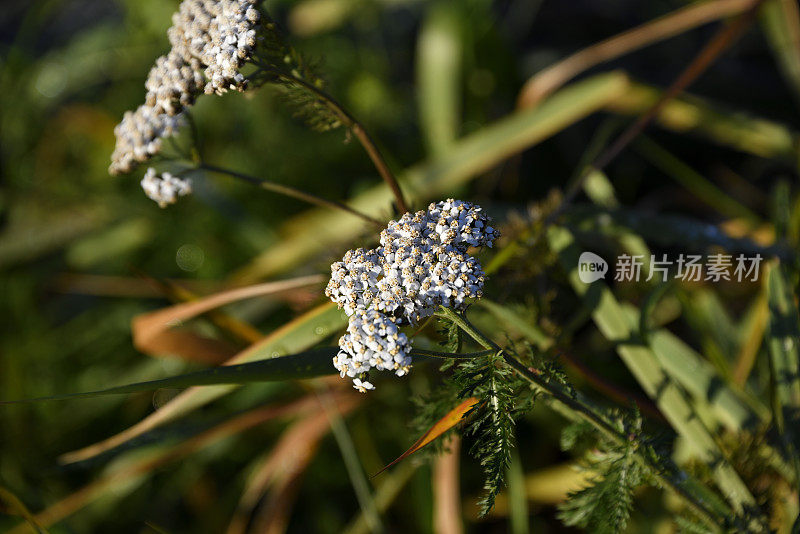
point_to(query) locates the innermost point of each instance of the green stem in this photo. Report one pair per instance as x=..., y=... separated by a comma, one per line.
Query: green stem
x=352, y=463
x=590, y=415
x=291, y=192
x=354, y=126
x=451, y=355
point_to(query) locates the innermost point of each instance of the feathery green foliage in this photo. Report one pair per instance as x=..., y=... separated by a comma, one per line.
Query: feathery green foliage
x=285, y=67
x=605, y=506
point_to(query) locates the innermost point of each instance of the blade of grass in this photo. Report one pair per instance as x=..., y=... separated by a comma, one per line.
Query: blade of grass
x=439, y=76
x=782, y=341
x=753, y=328
x=784, y=336
x=280, y=468
x=316, y=231
x=692, y=180
x=667, y=230
x=732, y=407
x=689, y=114
x=152, y=331
x=11, y=504
x=137, y=465
x=355, y=471
x=681, y=20
x=643, y=364
x=309, y=364
x=447, y=490
x=781, y=22
x=388, y=490
x=295, y=336
x=517, y=498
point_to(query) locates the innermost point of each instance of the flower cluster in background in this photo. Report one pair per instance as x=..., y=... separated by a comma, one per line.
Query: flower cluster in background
x=165, y=188
x=211, y=41
x=422, y=264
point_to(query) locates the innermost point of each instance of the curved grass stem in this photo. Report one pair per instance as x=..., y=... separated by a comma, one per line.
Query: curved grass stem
x=291, y=192
x=354, y=126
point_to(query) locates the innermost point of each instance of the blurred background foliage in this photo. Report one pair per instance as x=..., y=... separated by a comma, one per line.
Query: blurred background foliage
x=77, y=247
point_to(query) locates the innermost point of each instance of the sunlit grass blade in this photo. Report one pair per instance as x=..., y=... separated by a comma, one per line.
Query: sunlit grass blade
x=296, y=336
x=643, y=364
x=309, y=364
x=439, y=52
x=752, y=328
x=531, y=331
x=153, y=332
x=688, y=114
x=316, y=230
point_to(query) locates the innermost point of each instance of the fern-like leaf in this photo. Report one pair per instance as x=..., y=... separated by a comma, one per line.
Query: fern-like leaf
x=605, y=506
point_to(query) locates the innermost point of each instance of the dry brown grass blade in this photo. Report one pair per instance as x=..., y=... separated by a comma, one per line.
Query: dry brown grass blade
x=722, y=39
x=77, y=500
x=444, y=424
x=548, y=80
x=281, y=470
x=447, y=491
x=153, y=332
x=186, y=345
x=122, y=286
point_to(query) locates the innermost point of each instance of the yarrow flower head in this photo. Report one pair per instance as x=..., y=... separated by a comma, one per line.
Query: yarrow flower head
x=211, y=41
x=140, y=135
x=165, y=188
x=422, y=263
x=372, y=340
x=221, y=34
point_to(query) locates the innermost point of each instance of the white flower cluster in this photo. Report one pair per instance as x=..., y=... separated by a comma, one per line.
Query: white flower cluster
x=211, y=41
x=422, y=264
x=140, y=135
x=165, y=188
x=373, y=340
x=222, y=34
x=173, y=83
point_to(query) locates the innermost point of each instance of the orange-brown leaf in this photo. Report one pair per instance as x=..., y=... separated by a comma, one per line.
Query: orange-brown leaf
x=444, y=424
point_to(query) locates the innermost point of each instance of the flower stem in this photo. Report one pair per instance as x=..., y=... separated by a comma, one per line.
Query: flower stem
x=588, y=413
x=291, y=192
x=354, y=126
x=451, y=355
